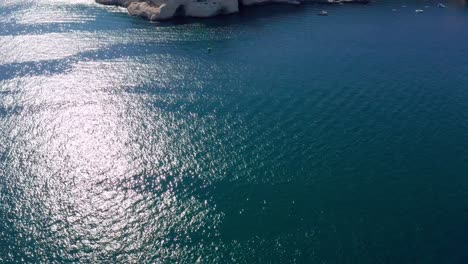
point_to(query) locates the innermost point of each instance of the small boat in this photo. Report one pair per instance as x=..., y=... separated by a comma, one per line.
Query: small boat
x=323, y=13
x=440, y=5
x=418, y=10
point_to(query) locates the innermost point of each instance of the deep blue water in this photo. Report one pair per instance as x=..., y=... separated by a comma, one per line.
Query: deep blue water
x=297, y=139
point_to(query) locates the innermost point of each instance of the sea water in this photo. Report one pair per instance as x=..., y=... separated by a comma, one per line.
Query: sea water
x=270, y=136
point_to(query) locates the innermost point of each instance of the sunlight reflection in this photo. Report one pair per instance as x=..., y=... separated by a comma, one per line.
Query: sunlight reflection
x=76, y=139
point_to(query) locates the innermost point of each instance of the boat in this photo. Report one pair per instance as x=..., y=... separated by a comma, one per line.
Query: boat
x=323, y=13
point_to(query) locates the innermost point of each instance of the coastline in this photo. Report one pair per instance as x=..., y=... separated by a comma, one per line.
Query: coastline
x=157, y=10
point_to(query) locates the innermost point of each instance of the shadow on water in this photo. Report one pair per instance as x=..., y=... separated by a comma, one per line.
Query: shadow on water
x=253, y=14
x=104, y=20
x=60, y=66
x=246, y=15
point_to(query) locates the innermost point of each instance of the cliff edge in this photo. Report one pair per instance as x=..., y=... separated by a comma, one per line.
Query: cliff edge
x=165, y=9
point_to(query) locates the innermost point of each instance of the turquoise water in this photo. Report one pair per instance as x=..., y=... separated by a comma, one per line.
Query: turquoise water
x=297, y=139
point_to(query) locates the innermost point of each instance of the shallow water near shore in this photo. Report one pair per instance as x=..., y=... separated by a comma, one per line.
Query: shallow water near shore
x=296, y=139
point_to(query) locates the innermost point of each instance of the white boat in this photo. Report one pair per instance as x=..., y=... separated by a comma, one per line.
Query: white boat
x=323, y=13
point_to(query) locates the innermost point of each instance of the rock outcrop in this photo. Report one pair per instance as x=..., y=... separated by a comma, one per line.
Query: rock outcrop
x=165, y=9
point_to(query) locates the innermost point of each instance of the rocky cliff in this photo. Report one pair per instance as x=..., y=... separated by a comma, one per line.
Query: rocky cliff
x=166, y=9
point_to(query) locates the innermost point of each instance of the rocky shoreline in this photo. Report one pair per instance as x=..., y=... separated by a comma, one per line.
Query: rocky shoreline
x=156, y=10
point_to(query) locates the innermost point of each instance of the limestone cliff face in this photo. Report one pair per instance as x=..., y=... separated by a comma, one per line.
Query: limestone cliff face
x=166, y=9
